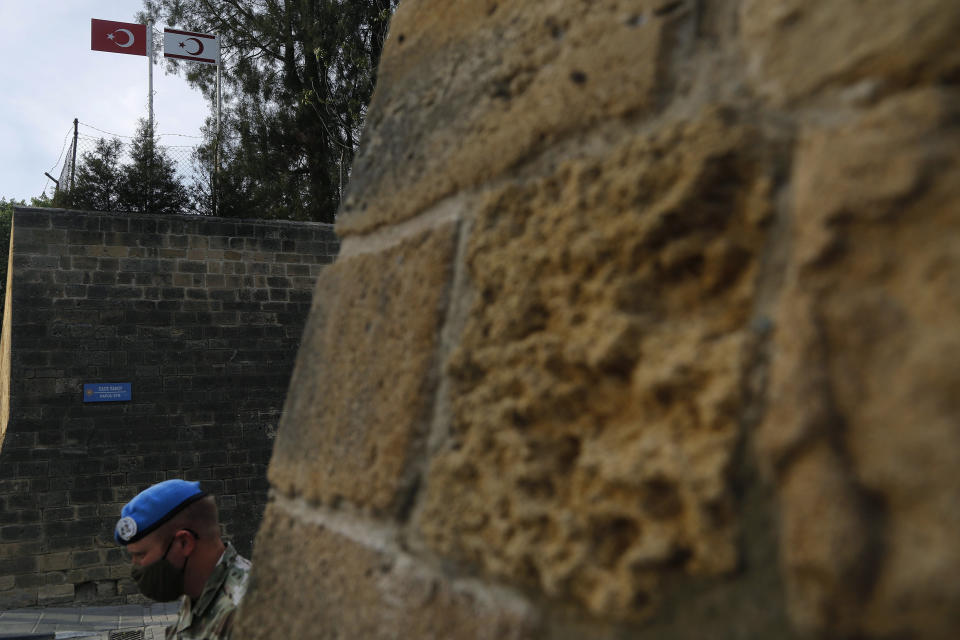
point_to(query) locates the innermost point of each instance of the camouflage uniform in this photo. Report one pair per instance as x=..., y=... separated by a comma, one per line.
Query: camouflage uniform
x=210, y=617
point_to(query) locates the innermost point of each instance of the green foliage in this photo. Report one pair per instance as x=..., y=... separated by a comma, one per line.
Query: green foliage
x=98, y=177
x=297, y=77
x=6, y=220
x=146, y=184
x=149, y=183
x=43, y=201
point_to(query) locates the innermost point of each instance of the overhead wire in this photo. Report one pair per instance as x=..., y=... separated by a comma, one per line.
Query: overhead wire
x=160, y=135
x=60, y=157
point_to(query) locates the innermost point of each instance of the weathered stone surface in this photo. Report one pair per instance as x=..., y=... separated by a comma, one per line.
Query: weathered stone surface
x=596, y=388
x=611, y=380
x=861, y=432
x=466, y=89
x=347, y=589
x=18, y=598
x=796, y=47
x=363, y=386
x=55, y=593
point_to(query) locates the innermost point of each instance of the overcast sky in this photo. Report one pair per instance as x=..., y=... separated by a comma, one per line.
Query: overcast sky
x=49, y=76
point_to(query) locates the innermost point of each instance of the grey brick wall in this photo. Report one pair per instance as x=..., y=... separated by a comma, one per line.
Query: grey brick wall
x=203, y=317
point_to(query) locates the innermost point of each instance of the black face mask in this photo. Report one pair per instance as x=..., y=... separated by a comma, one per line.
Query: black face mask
x=160, y=581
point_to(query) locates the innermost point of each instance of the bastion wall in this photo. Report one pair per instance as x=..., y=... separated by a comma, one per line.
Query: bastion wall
x=202, y=318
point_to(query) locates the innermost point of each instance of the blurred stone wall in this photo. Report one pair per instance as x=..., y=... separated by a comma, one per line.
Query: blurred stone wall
x=645, y=325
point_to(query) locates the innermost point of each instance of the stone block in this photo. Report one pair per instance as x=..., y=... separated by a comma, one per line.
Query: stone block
x=88, y=574
x=32, y=218
x=363, y=387
x=118, y=572
x=55, y=561
x=861, y=430
x=14, y=558
x=66, y=219
x=596, y=390
x=106, y=588
x=28, y=581
x=18, y=598
x=872, y=46
x=353, y=590
x=80, y=237
x=56, y=577
x=54, y=594
x=127, y=587
x=465, y=91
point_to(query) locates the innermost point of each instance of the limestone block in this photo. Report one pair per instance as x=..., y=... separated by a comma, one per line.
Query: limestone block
x=18, y=598
x=796, y=47
x=596, y=391
x=363, y=383
x=466, y=89
x=127, y=587
x=861, y=432
x=55, y=593
x=106, y=588
x=351, y=590
x=55, y=561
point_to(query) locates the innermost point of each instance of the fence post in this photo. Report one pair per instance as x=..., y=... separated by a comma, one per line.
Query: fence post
x=56, y=184
x=73, y=161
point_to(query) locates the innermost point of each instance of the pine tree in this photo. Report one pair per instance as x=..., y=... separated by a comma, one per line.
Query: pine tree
x=97, y=183
x=149, y=183
x=298, y=78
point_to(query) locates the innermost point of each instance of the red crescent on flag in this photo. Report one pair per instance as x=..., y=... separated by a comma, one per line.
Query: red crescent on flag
x=198, y=51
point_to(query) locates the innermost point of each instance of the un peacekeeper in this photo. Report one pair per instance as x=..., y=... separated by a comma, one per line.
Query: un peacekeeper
x=171, y=535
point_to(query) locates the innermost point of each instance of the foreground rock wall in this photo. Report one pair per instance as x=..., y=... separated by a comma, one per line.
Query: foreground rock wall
x=645, y=325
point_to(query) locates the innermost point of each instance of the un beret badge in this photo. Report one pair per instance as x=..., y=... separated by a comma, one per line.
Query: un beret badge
x=126, y=528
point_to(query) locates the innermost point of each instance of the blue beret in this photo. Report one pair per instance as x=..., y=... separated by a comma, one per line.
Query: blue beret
x=154, y=506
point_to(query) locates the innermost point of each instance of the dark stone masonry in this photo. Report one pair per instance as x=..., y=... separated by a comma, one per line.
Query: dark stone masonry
x=202, y=317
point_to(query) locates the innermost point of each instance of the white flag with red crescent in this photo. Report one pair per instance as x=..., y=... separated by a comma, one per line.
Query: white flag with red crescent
x=187, y=45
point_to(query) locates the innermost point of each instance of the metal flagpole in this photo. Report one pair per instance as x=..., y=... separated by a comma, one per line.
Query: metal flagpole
x=219, y=96
x=150, y=123
x=216, y=151
x=150, y=68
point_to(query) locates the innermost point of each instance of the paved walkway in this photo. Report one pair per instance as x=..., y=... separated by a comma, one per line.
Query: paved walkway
x=95, y=623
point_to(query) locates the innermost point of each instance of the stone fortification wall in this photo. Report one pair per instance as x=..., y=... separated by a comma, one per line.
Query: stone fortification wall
x=644, y=326
x=202, y=317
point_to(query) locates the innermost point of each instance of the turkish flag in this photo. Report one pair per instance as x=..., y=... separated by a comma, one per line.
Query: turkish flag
x=118, y=37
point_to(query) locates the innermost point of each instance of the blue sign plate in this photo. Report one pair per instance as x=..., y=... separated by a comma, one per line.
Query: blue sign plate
x=107, y=392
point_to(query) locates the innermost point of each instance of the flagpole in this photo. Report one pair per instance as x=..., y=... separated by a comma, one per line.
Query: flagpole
x=216, y=151
x=150, y=68
x=219, y=96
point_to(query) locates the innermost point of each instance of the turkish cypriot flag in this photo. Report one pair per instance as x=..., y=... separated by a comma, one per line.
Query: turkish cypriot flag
x=186, y=45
